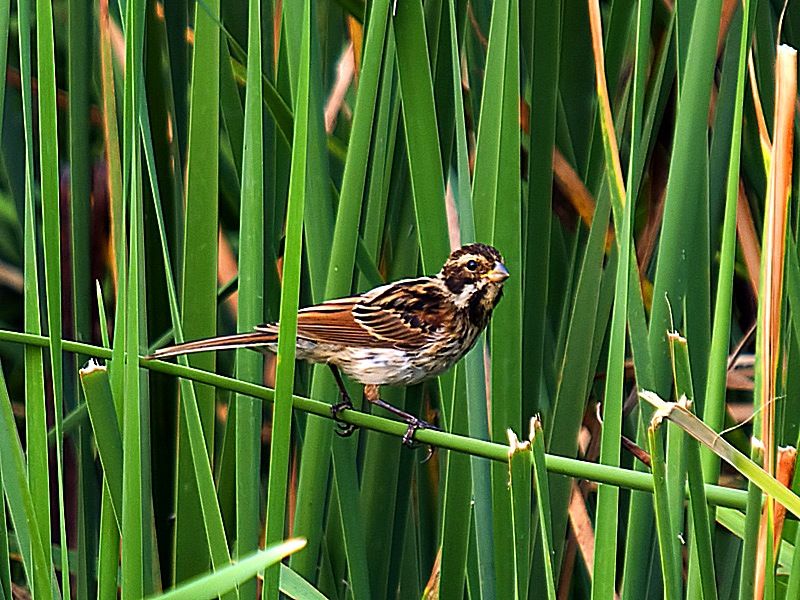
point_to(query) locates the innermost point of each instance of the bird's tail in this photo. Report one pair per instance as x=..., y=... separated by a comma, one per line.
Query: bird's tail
x=254, y=339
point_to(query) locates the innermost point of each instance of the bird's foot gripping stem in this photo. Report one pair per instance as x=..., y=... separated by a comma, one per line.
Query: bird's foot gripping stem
x=342, y=429
x=414, y=423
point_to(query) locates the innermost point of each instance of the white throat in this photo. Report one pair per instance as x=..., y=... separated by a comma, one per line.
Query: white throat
x=463, y=298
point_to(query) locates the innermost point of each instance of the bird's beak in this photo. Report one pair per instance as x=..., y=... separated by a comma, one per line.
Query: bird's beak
x=499, y=274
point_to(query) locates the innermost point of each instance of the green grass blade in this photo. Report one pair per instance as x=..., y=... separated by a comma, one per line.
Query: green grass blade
x=199, y=465
x=520, y=463
x=249, y=365
x=199, y=277
x=5, y=559
x=496, y=189
x=701, y=564
x=133, y=498
x=751, y=525
x=680, y=258
x=713, y=413
x=545, y=43
x=284, y=378
x=676, y=440
x=354, y=537
x=506, y=330
x=568, y=409
x=603, y=580
x=338, y=281
x=487, y=153
x=543, y=505
x=419, y=120
x=701, y=539
x=295, y=586
x=670, y=566
x=20, y=500
x=109, y=527
x=477, y=419
x=35, y=422
x=5, y=15
x=51, y=238
x=380, y=469
x=628, y=294
x=456, y=510
x=677, y=413
x=80, y=169
x=108, y=439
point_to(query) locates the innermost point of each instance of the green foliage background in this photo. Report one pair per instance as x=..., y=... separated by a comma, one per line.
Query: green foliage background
x=170, y=171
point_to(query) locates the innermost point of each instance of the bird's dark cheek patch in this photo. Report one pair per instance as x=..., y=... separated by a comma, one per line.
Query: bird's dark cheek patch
x=455, y=284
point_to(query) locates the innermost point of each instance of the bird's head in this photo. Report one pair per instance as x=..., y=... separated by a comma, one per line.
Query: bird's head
x=475, y=274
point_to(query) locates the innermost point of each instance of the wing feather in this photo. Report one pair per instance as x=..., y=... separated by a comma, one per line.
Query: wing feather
x=407, y=314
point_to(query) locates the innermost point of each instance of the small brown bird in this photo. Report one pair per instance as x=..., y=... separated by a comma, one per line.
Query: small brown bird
x=401, y=333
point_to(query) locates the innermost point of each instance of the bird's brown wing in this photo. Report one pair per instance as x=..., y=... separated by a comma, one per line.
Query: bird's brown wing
x=331, y=322
x=403, y=315
x=407, y=314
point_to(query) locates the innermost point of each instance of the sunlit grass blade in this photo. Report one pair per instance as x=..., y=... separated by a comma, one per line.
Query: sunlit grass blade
x=222, y=581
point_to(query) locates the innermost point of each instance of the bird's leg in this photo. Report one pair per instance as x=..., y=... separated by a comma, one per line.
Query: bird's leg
x=343, y=429
x=414, y=423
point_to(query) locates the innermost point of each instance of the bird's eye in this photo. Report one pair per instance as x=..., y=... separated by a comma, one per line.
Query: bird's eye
x=472, y=265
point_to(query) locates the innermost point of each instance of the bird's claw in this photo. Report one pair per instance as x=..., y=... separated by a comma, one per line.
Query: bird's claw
x=342, y=429
x=345, y=429
x=408, y=437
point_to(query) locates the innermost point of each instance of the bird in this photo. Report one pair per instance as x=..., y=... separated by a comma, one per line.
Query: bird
x=400, y=333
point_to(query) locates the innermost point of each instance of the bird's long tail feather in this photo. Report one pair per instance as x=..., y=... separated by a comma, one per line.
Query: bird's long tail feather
x=253, y=339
